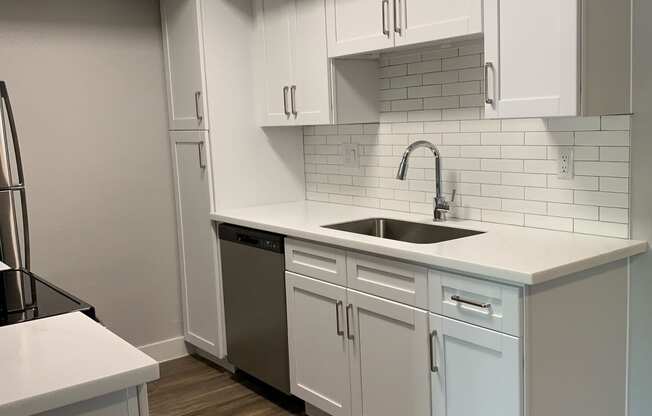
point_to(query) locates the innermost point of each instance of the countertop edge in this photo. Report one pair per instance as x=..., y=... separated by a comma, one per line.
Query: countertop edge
x=500, y=274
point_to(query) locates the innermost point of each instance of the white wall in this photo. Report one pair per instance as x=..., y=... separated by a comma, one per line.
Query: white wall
x=503, y=171
x=252, y=166
x=86, y=81
x=641, y=267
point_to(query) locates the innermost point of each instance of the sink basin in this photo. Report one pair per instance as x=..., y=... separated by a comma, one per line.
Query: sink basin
x=411, y=232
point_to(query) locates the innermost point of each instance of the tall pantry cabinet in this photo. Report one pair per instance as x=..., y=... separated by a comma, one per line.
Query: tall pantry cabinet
x=192, y=168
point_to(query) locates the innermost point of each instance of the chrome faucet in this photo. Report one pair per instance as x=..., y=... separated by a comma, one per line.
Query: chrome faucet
x=440, y=206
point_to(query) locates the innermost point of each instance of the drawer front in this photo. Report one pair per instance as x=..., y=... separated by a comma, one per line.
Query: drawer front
x=487, y=304
x=315, y=260
x=390, y=279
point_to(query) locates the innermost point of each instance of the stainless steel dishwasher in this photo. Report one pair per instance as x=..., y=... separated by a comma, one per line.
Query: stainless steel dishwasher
x=253, y=276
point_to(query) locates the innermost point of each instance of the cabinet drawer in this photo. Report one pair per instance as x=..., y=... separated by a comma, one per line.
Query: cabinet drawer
x=390, y=279
x=315, y=260
x=487, y=304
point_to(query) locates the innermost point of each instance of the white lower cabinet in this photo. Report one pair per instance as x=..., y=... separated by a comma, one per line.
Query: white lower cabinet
x=128, y=402
x=318, y=346
x=388, y=354
x=475, y=371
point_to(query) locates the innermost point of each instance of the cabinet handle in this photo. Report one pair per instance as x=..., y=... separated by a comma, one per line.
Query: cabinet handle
x=433, y=360
x=470, y=302
x=487, y=100
x=293, y=97
x=198, y=112
x=348, y=324
x=337, y=318
x=385, y=7
x=202, y=156
x=285, y=101
x=397, y=27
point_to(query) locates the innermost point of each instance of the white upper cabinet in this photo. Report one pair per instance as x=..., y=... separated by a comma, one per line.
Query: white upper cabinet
x=474, y=371
x=427, y=20
x=572, y=59
x=296, y=82
x=388, y=353
x=184, y=64
x=274, y=23
x=531, y=64
x=360, y=26
x=356, y=26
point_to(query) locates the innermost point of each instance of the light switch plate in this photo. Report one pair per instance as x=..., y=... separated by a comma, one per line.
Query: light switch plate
x=351, y=155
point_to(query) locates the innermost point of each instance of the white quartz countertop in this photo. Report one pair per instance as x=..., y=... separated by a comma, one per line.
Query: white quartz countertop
x=523, y=256
x=53, y=362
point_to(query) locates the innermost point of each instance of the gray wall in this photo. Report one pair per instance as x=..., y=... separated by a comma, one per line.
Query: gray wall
x=641, y=268
x=86, y=81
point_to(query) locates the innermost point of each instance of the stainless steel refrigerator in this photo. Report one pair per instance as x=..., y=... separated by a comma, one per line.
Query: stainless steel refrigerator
x=16, y=293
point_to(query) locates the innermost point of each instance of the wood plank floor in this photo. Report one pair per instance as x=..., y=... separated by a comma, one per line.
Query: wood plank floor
x=192, y=386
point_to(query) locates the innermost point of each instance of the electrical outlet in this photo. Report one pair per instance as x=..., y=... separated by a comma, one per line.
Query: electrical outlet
x=565, y=169
x=351, y=155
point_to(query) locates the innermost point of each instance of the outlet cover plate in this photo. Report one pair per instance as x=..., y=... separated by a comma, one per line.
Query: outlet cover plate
x=565, y=167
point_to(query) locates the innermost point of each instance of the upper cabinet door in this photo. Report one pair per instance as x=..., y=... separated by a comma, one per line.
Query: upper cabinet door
x=319, y=363
x=474, y=371
x=274, y=22
x=531, y=63
x=356, y=26
x=388, y=353
x=310, y=89
x=184, y=64
x=429, y=20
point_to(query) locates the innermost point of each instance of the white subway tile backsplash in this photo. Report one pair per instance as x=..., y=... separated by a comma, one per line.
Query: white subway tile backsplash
x=504, y=171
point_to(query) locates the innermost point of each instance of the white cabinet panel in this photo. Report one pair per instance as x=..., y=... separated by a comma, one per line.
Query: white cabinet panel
x=119, y=403
x=532, y=63
x=430, y=20
x=474, y=370
x=274, y=23
x=184, y=62
x=319, y=365
x=389, y=357
x=397, y=281
x=310, y=90
x=200, y=290
x=316, y=260
x=356, y=26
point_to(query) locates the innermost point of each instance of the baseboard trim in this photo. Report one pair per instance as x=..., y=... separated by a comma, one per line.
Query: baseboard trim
x=166, y=350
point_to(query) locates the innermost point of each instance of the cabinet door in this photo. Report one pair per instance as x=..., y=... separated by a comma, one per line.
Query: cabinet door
x=310, y=88
x=475, y=371
x=319, y=366
x=201, y=299
x=356, y=26
x=531, y=63
x=273, y=23
x=430, y=20
x=388, y=357
x=184, y=64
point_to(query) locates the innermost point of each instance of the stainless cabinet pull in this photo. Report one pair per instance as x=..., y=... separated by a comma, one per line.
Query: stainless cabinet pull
x=348, y=324
x=285, y=101
x=470, y=302
x=487, y=100
x=385, y=7
x=433, y=361
x=397, y=26
x=202, y=156
x=337, y=317
x=198, y=113
x=293, y=97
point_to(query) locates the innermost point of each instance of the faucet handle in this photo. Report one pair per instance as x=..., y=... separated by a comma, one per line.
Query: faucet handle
x=453, y=195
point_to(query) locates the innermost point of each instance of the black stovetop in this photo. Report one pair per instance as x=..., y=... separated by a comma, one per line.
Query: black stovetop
x=49, y=300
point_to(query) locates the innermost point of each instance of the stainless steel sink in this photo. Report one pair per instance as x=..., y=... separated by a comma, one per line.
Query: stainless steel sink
x=411, y=232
